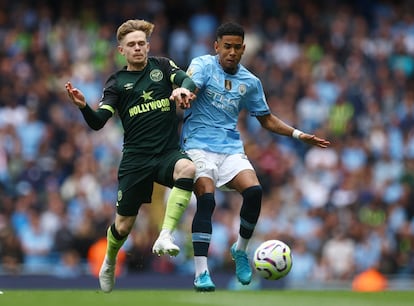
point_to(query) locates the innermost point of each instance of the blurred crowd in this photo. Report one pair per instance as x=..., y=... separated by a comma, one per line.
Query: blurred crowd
x=340, y=69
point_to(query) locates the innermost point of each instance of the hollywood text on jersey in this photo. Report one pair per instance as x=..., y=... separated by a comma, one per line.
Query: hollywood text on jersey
x=163, y=104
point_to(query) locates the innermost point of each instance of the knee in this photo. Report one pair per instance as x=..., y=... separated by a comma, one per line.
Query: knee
x=190, y=169
x=185, y=168
x=123, y=228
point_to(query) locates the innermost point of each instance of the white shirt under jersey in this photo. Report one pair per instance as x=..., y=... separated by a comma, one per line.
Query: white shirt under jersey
x=211, y=122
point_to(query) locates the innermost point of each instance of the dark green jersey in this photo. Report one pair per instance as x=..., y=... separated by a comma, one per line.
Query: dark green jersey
x=141, y=99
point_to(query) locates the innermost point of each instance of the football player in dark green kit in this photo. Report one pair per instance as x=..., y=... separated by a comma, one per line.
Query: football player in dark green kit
x=143, y=95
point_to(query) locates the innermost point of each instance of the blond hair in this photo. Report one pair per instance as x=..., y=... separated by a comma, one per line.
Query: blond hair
x=134, y=25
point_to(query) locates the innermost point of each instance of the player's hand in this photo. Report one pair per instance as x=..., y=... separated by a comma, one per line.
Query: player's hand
x=75, y=95
x=313, y=140
x=183, y=97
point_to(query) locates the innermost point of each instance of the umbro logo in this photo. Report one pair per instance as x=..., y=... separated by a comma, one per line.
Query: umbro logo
x=129, y=86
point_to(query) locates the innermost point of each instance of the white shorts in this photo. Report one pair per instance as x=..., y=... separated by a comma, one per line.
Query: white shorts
x=221, y=168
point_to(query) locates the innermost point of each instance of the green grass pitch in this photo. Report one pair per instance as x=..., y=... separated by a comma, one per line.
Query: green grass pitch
x=191, y=298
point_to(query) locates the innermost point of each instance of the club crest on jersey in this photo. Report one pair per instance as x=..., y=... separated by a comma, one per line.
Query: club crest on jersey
x=242, y=89
x=227, y=84
x=156, y=75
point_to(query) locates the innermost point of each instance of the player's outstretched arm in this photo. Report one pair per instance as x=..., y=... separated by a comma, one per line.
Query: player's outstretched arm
x=95, y=119
x=272, y=123
x=313, y=140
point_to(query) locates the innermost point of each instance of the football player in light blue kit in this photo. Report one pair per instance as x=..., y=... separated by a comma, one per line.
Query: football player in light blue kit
x=210, y=137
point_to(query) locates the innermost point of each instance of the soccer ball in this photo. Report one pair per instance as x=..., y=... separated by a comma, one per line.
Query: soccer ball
x=272, y=259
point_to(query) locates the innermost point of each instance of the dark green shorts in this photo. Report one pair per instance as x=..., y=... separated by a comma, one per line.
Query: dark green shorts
x=136, y=177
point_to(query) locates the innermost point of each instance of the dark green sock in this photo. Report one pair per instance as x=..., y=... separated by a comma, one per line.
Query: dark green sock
x=113, y=243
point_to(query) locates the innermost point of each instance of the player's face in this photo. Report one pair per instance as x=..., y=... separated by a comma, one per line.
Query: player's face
x=230, y=49
x=134, y=47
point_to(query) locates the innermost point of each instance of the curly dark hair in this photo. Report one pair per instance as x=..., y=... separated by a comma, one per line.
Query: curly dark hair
x=230, y=28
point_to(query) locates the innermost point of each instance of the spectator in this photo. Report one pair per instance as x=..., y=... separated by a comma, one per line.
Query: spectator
x=11, y=253
x=338, y=253
x=36, y=245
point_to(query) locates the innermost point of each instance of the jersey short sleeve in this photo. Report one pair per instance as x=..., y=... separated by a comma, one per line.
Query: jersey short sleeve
x=198, y=70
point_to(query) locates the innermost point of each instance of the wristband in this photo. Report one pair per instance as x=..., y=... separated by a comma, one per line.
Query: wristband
x=296, y=133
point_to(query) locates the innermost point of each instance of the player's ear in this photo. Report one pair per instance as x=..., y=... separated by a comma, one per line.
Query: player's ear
x=216, y=46
x=120, y=49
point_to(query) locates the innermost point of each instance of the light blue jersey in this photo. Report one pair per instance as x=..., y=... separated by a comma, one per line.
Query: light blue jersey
x=211, y=122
